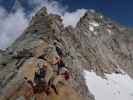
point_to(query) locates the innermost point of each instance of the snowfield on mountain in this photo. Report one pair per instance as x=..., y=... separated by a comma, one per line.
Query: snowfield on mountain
x=114, y=87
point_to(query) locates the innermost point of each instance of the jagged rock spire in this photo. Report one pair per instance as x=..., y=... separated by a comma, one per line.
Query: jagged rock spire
x=42, y=12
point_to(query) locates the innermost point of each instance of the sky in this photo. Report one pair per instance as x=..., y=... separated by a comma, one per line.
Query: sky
x=118, y=10
x=18, y=14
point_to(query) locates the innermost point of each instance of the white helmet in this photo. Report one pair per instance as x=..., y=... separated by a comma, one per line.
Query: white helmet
x=40, y=63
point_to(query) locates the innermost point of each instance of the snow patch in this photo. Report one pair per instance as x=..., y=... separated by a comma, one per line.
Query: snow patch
x=116, y=87
x=93, y=23
x=91, y=28
x=101, y=17
x=72, y=18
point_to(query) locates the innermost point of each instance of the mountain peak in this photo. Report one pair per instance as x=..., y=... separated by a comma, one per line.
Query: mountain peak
x=96, y=44
x=42, y=12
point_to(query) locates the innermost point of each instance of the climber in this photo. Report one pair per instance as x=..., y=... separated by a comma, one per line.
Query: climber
x=43, y=63
x=43, y=75
x=62, y=69
x=58, y=61
x=58, y=50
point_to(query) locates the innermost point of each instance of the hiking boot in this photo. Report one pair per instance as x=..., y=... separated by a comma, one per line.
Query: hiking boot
x=55, y=90
x=47, y=91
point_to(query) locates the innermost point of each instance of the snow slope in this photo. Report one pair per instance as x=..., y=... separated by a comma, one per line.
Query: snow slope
x=116, y=87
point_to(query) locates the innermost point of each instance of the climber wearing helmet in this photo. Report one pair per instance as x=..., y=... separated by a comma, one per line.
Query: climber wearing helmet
x=58, y=61
x=62, y=70
x=41, y=76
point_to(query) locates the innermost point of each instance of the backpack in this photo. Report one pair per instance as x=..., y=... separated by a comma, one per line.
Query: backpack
x=39, y=76
x=59, y=51
x=42, y=72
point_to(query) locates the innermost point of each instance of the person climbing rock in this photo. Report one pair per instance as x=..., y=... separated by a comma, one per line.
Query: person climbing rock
x=42, y=75
x=58, y=61
x=43, y=64
x=58, y=50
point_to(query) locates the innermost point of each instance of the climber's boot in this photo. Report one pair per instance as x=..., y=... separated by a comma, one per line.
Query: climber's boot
x=54, y=88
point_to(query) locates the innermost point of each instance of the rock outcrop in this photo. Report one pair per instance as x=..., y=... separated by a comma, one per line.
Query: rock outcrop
x=96, y=43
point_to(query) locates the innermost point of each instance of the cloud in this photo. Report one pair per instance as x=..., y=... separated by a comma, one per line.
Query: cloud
x=72, y=18
x=54, y=7
x=13, y=24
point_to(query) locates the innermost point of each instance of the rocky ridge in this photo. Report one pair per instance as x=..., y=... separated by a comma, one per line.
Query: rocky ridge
x=96, y=43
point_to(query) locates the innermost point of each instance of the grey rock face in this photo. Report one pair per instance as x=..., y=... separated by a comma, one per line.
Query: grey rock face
x=97, y=44
x=107, y=46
